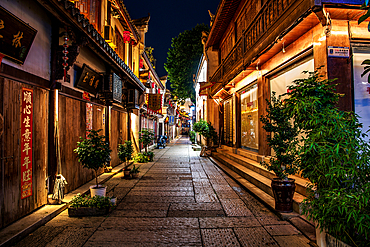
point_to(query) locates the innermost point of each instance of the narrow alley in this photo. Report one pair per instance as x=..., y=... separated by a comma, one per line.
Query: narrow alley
x=180, y=199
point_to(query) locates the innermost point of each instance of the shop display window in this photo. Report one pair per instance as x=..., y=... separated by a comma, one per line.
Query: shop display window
x=361, y=88
x=249, y=118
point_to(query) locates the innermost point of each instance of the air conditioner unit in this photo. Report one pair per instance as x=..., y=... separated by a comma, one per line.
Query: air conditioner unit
x=110, y=36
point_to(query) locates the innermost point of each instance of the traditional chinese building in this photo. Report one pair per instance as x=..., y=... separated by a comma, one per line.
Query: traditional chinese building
x=256, y=47
x=67, y=67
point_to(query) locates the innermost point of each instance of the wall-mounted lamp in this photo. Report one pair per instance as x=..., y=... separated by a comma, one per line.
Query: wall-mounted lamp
x=327, y=30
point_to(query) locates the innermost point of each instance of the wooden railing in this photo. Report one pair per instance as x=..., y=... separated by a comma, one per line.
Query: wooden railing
x=270, y=13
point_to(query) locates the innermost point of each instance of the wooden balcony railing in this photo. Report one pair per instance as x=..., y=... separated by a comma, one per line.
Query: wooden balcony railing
x=272, y=12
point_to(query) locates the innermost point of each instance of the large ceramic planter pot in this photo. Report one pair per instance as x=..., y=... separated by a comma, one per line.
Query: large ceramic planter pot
x=98, y=191
x=283, y=193
x=81, y=212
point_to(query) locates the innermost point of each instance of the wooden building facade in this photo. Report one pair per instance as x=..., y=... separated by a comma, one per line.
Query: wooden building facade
x=256, y=47
x=66, y=67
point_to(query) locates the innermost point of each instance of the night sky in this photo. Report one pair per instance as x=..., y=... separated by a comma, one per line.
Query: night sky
x=168, y=18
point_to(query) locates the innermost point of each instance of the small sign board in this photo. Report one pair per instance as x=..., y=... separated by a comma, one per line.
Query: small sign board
x=89, y=80
x=16, y=37
x=336, y=51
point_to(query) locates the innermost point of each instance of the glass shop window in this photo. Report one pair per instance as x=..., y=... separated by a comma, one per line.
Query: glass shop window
x=280, y=82
x=361, y=87
x=249, y=118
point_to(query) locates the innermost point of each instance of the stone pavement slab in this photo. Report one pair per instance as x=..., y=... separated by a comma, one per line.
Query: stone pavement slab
x=149, y=223
x=228, y=222
x=255, y=236
x=180, y=199
x=219, y=237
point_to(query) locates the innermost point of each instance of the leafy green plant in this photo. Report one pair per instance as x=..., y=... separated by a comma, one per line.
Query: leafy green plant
x=125, y=152
x=150, y=155
x=334, y=157
x=135, y=169
x=192, y=135
x=282, y=138
x=79, y=201
x=366, y=6
x=206, y=129
x=141, y=158
x=93, y=152
x=146, y=136
x=182, y=62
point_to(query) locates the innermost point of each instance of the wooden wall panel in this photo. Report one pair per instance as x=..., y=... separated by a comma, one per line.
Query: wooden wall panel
x=263, y=85
x=72, y=125
x=118, y=134
x=12, y=206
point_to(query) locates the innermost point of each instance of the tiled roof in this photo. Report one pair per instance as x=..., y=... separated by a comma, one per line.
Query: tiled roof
x=94, y=35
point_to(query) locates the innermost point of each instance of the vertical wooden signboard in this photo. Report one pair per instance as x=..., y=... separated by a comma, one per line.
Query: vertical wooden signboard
x=26, y=142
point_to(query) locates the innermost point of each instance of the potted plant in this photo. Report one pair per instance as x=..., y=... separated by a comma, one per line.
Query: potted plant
x=335, y=158
x=146, y=136
x=86, y=205
x=150, y=156
x=93, y=152
x=125, y=154
x=192, y=136
x=141, y=158
x=282, y=138
x=206, y=129
x=135, y=171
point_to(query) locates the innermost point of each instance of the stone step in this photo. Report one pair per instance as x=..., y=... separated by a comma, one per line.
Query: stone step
x=261, y=182
x=255, y=166
x=295, y=218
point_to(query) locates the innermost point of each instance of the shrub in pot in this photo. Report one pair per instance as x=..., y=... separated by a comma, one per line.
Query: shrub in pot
x=150, y=155
x=206, y=129
x=192, y=136
x=335, y=158
x=282, y=138
x=141, y=158
x=146, y=138
x=89, y=206
x=135, y=171
x=125, y=154
x=93, y=152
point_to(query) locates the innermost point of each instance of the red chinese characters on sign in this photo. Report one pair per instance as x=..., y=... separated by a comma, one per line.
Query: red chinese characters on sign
x=26, y=142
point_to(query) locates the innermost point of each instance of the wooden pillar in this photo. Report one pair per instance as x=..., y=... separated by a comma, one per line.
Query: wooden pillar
x=335, y=67
x=339, y=67
x=53, y=110
x=263, y=85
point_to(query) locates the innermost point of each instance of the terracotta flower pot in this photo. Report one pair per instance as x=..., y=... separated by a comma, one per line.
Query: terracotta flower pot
x=283, y=194
x=135, y=175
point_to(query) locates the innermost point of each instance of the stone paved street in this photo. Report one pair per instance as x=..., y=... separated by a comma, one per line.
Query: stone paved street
x=181, y=199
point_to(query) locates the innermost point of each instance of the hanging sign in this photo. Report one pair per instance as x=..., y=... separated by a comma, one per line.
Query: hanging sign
x=154, y=102
x=89, y=80
x=16, y=37
x=26, y=142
